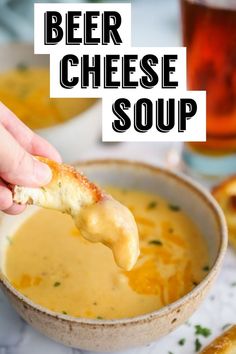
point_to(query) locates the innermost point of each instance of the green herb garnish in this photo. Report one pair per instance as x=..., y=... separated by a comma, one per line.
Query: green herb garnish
x=152, y=205
x=182, y=341
x=174, y=207
x=206, y=268
x=155, y=242
x=198, y=345
x=56, y=284
x=9, y=240
x=202, y=331
x=22, y=67
x=100, y=318
x=227, y=325
x=64, y=312
x=24, y=92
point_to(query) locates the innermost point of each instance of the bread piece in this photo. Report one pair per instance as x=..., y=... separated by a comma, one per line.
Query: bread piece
x=224, y=344
x=97, y=215
x=67, y=192
x=225, y=194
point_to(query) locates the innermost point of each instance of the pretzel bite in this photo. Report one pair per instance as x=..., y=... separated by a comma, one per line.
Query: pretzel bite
x=225, y=194
x=224, y=344
x=97, y=215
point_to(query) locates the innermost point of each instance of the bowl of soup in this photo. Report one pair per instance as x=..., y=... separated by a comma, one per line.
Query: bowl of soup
x=72, y=290
x=24, y=88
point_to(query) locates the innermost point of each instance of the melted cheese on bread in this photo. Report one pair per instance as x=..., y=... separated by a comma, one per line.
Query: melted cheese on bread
x=98, y=216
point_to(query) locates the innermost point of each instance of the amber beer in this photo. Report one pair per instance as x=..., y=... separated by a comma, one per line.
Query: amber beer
x=209, y=33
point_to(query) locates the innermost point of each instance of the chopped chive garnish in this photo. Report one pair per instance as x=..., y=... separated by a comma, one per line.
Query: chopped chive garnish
x=100, y=318
x=202, y=331
x=227, y=325
x=64, y=312
x=174, y=207
x=22, y=67
x=198, y=345
x=206, y=268
x=9, y=240
x=182, y=341
x=155, y=242
x=56, y=284
x=152, y=205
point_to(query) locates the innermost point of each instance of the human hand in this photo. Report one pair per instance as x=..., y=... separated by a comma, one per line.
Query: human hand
x=18, y=144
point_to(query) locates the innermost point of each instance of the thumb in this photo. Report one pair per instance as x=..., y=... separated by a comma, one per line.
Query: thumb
x=19, y=167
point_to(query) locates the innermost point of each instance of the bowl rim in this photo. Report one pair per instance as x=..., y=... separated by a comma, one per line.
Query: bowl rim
x=195, y=187
x=92, y=109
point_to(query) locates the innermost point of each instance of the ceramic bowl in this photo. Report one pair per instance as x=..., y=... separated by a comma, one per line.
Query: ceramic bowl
x=112, y=335
x=72, y=137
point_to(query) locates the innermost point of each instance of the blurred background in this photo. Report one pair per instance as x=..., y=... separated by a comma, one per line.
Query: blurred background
x=158, y=27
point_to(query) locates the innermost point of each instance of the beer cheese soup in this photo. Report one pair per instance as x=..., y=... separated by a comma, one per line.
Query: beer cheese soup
x=48, y=261
x=25, y=90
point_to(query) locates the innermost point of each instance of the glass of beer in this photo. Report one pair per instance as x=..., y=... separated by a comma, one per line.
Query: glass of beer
x=209, y=33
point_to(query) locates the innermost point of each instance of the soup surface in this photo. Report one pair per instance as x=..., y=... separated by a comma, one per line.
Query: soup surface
x=26, y=92
x=48, y=261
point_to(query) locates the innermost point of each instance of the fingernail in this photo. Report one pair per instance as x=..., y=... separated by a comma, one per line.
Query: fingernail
x=43, y=173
